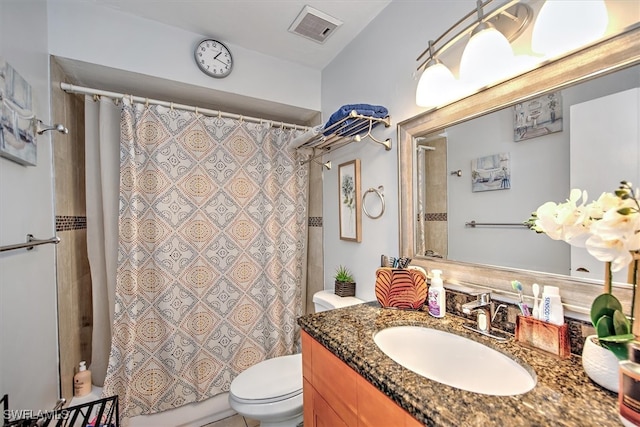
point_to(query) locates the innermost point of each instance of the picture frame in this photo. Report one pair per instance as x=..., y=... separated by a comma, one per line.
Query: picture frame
x=537, y=116
x=491, y=173
x=18, y=136
x=350, y=201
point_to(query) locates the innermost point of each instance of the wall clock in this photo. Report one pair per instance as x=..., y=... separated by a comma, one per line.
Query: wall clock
x=213, y=58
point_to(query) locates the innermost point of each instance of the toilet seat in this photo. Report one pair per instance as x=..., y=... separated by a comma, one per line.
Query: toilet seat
x=269, y=381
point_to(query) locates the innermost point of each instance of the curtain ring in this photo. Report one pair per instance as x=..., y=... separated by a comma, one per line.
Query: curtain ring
x=241, y=119
x=377, y=191
x=146, y=103
x=196, y=111
x=131, y=99
x=172, y=106
x=219, y=114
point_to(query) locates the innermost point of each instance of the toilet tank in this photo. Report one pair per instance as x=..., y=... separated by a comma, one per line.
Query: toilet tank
x=327, y=300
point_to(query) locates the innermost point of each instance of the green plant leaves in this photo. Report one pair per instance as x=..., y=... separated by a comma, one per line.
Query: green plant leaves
x=621, y=324
x=604, y=305
x=618, y=349
x=612, y=326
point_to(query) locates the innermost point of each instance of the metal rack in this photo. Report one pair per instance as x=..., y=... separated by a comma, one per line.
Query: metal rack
x=102, y=412
x=352, y=128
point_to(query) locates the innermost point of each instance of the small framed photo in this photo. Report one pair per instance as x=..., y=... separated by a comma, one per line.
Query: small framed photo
x=17, y=139
x=350, y=201
x=537, y=117
x=491, y=173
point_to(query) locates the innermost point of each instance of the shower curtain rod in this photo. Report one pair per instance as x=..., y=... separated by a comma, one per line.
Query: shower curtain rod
x=69, y=88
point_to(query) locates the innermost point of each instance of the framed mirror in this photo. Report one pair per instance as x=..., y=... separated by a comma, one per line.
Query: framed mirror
x=614, y=54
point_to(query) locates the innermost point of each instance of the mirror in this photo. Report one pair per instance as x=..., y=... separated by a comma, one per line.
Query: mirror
x=614, y=54
x=448, y=206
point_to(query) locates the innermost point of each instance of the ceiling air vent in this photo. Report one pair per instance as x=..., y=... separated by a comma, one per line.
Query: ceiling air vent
x=314, y=25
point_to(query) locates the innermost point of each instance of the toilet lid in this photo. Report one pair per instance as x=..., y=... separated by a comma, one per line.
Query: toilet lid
x=271, y=380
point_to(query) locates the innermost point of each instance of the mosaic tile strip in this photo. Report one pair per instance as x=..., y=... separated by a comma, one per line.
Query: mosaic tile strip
x=315, y=221
x=442, y=216
x=66, y=223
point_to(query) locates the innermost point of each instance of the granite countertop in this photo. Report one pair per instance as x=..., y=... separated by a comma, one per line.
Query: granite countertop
x=563, y=395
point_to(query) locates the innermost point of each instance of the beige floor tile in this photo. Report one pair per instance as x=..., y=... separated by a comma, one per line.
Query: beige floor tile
x=233, y=421
x=252, y=423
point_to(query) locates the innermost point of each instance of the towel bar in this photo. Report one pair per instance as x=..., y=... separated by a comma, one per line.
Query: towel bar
x=30, y=243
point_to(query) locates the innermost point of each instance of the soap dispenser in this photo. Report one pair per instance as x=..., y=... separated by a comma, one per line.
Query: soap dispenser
x=82, y=381
x=436, y=296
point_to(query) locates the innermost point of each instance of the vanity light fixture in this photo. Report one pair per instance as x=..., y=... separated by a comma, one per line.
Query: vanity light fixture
x=437, y=85
x=487, y=58
x=562, y=26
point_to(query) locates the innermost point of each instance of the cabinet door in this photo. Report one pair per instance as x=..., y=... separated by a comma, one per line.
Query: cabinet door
x=336, y=382
x=323, y=414
x=375, y=409
x=307, y=402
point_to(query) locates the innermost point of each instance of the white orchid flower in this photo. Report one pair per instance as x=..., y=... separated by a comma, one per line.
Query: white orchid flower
x=566, y=221
x=613, y=251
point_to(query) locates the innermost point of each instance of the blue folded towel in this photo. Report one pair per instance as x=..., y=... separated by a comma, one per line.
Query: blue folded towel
x=350, y=126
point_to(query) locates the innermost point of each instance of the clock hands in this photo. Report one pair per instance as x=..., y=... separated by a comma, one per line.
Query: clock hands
x=216, y=57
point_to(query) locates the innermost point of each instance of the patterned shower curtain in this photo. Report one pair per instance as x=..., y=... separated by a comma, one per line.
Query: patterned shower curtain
x=212, y=228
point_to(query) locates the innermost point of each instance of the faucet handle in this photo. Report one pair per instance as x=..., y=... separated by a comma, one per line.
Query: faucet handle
x=483, y=297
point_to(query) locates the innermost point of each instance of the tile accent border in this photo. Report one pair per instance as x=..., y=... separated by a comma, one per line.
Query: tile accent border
x=66, y=223
x=435, y=216
x=315, y=221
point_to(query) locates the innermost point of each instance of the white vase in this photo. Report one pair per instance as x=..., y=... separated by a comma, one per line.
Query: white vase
x=600, y=364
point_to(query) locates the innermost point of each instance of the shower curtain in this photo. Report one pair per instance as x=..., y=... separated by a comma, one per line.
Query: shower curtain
x=212, y=226
x=102, y=166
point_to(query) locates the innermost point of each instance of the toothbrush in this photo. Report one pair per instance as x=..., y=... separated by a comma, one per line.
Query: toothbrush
x=536, y=309
x=524, y=309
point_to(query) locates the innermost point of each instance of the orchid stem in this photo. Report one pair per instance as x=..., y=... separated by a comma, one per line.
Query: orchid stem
x=634, y=282
x=607, y=278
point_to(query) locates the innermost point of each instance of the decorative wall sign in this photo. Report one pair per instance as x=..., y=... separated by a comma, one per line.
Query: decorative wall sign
x=349, y=201
x=17, y=131
x=537, y=117
x=491, y=173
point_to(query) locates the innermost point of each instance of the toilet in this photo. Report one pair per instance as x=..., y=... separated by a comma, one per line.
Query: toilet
x=271, y=391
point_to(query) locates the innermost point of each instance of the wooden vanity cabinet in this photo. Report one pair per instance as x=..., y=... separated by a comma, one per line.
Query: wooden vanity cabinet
x=335, y=395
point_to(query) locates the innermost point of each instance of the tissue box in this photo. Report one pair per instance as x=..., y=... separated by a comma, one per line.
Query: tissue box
x=544, y=336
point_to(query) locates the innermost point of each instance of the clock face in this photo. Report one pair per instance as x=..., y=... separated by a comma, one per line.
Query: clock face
x=213, y=58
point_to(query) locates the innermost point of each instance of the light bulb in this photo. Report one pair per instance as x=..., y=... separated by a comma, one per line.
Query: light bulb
x=487, y=58
x=437, y=86
x=562, y=26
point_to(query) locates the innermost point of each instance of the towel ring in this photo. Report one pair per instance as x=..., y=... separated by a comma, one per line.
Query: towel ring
x=377, y=191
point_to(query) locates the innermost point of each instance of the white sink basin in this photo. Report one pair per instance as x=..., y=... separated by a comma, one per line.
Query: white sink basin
x=454, y=360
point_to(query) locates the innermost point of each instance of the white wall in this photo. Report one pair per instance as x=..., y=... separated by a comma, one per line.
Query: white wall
x=85, y=31
x=377, y=68
x=28, y=340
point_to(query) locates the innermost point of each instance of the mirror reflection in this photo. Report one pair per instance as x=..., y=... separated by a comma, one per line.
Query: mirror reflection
x=495, y=170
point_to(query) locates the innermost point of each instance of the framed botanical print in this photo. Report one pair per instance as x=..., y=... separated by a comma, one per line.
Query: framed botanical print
x=349, y=201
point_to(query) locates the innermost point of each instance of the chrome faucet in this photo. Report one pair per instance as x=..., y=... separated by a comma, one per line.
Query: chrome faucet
x=485, y=307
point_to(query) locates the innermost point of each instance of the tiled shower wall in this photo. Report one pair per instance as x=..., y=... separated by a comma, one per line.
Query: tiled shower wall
x=436, y=237
x=315, y=261
x=74, y=279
